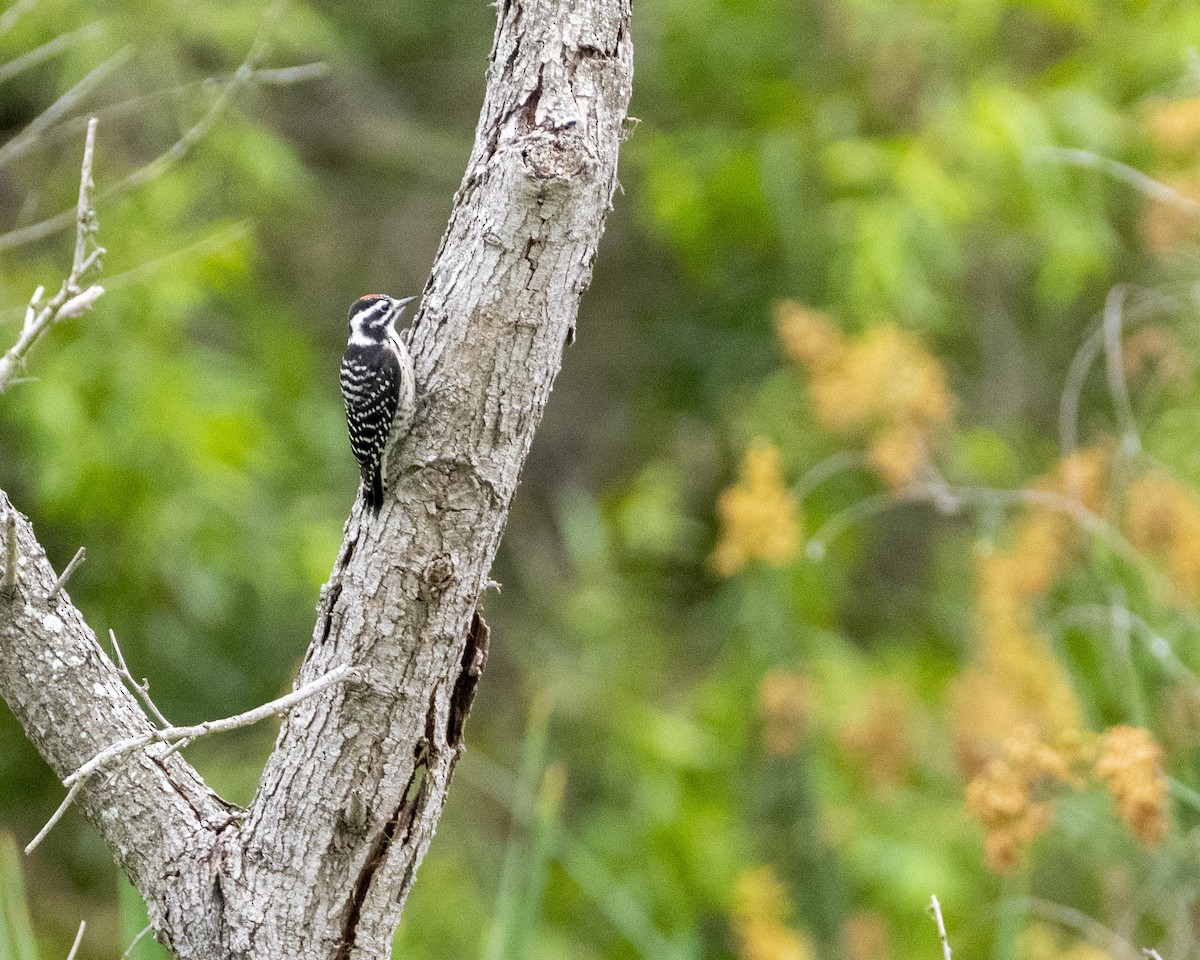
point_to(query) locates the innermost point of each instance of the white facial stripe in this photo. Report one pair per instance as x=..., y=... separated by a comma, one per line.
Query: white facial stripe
x=370, y=316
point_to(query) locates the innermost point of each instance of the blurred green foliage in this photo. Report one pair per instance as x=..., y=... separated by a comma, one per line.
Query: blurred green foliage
x=665, y=763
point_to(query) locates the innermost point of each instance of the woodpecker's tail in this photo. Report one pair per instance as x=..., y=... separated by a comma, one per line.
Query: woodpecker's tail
x=374, y=491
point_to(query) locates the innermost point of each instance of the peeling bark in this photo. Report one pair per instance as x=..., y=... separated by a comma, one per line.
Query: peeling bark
x=322, y=861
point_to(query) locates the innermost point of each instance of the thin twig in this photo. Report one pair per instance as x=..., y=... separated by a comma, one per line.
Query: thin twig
x=140, y=690
x=1077, y=920
x=1114, y=308
x=139, y=106
x=1123, y=172
x=936, y=909
x=1068, y=407
x=136, y=940
x=831, y=466
x=48, y=50
x=8, y=587
x=85, y=219
x=176, y=735
x=10, y=16
x=71, y=299
x=57, y=815
x=78, y=940
x=1150, y=954
x=259, y=48
x=64, y=104
x=63, y=577
x=171, y=734
x=1155, y=643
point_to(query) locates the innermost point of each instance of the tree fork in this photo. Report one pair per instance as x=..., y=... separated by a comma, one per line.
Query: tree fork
x=320, y=864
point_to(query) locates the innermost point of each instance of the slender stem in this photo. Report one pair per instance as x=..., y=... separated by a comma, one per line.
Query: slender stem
x=61, y=582
x=936, y=909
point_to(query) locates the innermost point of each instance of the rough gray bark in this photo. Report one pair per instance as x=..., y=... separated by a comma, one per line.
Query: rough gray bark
x=321, y=863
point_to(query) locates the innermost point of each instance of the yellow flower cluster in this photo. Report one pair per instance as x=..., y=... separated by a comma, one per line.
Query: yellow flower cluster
x=1017, y=680
x=1165, y=226
x=1130, y=764
x=784, y=706
x=760, y=913
x=1173, y=126
x=1012, y=797
x=758, y=514
x=1162, y=518
x=1173, y=129
x=1007, y=797
x=881, y=384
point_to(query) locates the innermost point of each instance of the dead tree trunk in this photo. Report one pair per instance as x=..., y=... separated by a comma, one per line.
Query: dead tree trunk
x=320, y=864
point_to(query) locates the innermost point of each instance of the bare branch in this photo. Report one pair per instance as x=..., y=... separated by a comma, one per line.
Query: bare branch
x=137, y=106
x=140, y=690
x=936, y=909
x=64, y=104
x=10, y=16
x=61, y=582
x=1126, y=174
x=1114, y=308
x=259, y=48
x=172, y=734
x=78, y=940
x=71, y=300
x=48, y=49
x=180, y=736
x=59, y=811
x=135, y=941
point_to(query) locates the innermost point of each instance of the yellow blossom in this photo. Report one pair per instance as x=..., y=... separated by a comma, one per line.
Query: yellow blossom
x=898, y=455
x=1130, y=764
x=758, y=514
x=760, y=913
x=1166, y=225
x=1081, y=476
x=1001, y=800
x=1173, y=126
x=808, y=335
x=784, y=704
x=884, y=377
x=1162, y=517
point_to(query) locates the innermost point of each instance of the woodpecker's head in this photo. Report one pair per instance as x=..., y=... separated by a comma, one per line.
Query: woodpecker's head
x=373, y=317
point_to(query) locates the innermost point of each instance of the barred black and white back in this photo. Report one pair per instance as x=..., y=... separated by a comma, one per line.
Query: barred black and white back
x=378, y=388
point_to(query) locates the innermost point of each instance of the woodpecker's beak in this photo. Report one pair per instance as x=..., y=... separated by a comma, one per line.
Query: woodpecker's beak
x=398, y=305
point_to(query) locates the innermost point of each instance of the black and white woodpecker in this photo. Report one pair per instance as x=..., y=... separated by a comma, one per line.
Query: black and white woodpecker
x=378, y=387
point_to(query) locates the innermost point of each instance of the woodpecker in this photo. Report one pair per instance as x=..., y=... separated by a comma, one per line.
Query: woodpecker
x=378, y=387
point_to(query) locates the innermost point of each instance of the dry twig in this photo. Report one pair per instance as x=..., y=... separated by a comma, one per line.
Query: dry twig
x=63, y=577
x=78, y=940
x=140, y=690
x=180, y=736
x=72, y=299
x=136, y=940
x=936, y=909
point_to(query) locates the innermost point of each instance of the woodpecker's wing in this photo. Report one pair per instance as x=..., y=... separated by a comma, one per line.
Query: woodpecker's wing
x=371, y=388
